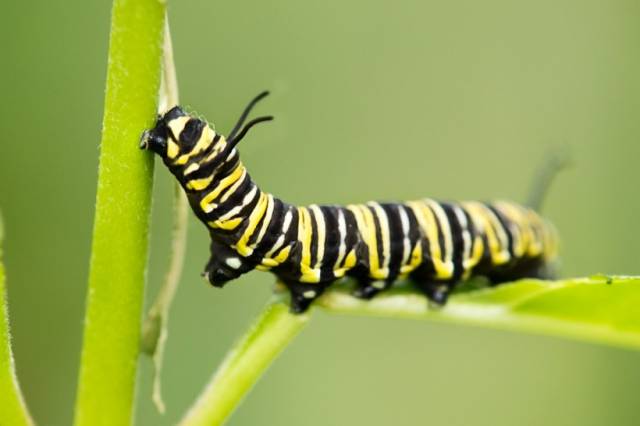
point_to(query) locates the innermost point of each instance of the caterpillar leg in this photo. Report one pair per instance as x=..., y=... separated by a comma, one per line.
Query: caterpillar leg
x=436, y=292
x=368, y=288
x=534, y=268
x=302, y=295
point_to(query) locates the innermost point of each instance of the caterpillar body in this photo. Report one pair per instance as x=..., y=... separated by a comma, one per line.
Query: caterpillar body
x=435, y=244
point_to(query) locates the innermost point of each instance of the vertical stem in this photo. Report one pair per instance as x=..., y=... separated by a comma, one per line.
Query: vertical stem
x=13, y=410
x=111, y=342
x=244, y=365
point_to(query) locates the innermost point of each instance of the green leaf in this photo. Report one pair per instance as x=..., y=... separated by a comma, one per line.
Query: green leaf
x=111, y=341
x=599, y=309
x=13, y=410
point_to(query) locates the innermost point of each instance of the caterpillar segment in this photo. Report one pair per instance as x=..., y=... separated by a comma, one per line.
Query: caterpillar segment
x=435, y=244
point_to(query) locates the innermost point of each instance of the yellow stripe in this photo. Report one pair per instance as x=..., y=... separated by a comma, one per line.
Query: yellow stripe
x=172, y=148
x=363, y=228
x=199, y=184
x=254, y=218
x=349, y=262
x=518, y=228
x=236, y=176
x=446, y=233
x=482, y=221
x=304, y=236
x=283, y=255
x=416, y=259
x=206, y=139
x=248, y=198
x=226, y=224
x=265, y=222
x=177, y=125
x=321, y=228
x=235, y=186
x=221, y=144
x=374, y=262
x=504, y=255
x=427, y=222
x=537, y=229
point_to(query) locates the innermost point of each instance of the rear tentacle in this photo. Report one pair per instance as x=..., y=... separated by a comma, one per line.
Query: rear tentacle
x=554, y=162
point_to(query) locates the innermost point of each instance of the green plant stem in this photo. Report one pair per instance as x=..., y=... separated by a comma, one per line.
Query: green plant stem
x=599, y=309
x=154, y=329
x=111, y=340
x=244, y=364
x=13, y=410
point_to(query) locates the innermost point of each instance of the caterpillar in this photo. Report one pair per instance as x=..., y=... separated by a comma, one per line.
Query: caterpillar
x=433, y=243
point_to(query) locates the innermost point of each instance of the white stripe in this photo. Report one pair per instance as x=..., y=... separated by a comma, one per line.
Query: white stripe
x=406, y=243
x=285, y=227
x=384, y=232
x=321, y=231
x=192, y=168
x=466, y=236
x=245, y=201
x=342, y=232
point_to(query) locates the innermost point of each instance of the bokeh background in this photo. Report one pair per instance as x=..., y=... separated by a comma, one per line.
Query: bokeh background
x=373, y=100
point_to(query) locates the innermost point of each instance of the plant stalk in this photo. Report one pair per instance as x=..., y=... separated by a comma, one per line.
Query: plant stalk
x=111, y=342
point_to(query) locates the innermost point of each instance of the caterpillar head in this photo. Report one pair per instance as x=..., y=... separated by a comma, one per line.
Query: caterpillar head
x=181, y=139
x=175, y=133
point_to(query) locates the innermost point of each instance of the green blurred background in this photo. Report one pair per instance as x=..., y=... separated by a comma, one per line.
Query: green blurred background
x=373, y=100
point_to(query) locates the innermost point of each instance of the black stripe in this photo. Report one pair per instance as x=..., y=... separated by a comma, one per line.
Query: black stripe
x=440, y=233
x=190, y=134
x=426, y=269
x=473, y=232
x=332, y=242
x=354, y=240
x=206, y=168
x=234, y=200
x=457, y=240
x=396, y=237
x=314, y=238
x=274, y=229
